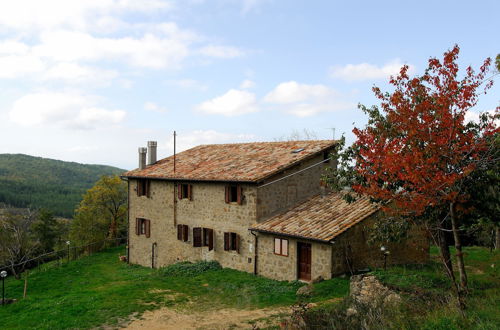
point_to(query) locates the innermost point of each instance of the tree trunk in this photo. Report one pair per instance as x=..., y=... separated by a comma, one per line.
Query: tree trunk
x=497, y=240
x=459, y=256
x=444, y=249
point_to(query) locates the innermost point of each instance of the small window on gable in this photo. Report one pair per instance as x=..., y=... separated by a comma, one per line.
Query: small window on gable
x=234, y=194
x=143, y=227
x=281, y=247
x=185, y=191
x=231, y=242
x=143, y=187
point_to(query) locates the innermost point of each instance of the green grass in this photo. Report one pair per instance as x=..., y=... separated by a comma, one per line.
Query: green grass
x=432, y=288
x=100, y=289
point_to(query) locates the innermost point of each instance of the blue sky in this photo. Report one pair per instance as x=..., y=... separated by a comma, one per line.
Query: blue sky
x=92, y=80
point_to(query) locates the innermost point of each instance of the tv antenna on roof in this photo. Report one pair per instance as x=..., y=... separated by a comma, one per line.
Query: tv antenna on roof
x=333, y=132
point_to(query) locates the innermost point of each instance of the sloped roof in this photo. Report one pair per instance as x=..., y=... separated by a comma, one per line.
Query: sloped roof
x=318, y=218
x=245, y=162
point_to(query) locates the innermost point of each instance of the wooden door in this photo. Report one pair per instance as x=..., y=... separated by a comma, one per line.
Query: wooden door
x=304, y=261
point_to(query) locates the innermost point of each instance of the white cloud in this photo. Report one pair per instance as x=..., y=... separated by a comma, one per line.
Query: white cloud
x=69, y=110
x=247, y=84
x=249, y=5
x=13, y=66
x=148, y=51
x=221, y=51
x=366, y=71
x=189, y=84
x=33, y=15
x=75, y=73
x=472, y=116
x=151, y=106
x=232, y=103
x=304, y=100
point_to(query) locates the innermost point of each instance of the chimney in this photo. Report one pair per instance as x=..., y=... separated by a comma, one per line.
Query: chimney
x=151, y=152
x=142, y=158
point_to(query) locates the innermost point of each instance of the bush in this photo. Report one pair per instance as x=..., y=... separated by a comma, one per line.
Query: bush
x=189, y=269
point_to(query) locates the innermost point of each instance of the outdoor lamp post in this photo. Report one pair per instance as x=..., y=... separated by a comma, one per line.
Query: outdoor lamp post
x=68, y=243
x=3, y=275
x=385, y=253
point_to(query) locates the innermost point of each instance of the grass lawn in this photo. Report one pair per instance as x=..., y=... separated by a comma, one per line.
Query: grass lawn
x=431, y=291
x=100, y=289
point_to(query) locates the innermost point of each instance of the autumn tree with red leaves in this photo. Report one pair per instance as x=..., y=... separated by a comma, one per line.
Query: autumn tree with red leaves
x=416, y=152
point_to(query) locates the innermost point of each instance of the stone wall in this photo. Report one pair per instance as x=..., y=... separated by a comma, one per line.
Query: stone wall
x=207, y=209
x=285, y=268
x=282, y=195
x=352, y=251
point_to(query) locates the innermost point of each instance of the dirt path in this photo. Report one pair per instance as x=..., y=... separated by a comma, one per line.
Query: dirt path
x=167, y=318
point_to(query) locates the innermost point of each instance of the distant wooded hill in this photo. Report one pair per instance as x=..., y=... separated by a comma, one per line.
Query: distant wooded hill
x=27, y=181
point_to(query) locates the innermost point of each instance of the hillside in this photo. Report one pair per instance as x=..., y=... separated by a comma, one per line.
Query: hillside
x=52, y=184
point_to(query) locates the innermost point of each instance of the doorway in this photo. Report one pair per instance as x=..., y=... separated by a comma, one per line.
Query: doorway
x=304, y=261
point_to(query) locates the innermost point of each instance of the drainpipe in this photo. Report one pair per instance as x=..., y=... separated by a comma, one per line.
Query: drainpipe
x=175, y=204
x=256, y=253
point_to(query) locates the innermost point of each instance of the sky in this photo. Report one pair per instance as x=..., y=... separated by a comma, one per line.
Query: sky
x=90, y=81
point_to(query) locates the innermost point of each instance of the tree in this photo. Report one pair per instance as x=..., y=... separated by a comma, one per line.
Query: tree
x=17, y=245
x=45, y=230
x=417, y=152
x=102, y=212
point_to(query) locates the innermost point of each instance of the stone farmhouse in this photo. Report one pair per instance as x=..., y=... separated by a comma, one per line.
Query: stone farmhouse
x=254, y=207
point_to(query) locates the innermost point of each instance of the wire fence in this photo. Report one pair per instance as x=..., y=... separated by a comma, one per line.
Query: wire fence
x=63, y=256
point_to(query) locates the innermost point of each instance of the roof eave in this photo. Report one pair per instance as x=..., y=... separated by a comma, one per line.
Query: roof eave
x=291, y=235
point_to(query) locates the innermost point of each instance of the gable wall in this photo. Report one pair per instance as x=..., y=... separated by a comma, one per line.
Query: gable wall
x=282, y=195
x=353, y=245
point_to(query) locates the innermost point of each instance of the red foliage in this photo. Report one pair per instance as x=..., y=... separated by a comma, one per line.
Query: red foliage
x=418, y=152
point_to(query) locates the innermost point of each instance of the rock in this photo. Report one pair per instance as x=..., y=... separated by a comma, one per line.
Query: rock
x=318, y=279
x=351, y=311
x=367, y=290
x=305, y=290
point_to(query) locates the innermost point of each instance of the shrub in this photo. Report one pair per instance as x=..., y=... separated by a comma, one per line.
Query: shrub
x=189, y=269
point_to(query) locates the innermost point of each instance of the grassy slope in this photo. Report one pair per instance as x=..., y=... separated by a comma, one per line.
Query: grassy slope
x=100, y=290
x=430, y=288
x=48, y=183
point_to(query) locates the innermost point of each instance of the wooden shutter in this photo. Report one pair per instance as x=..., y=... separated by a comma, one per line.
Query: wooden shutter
x=179, y=232
x=190, y=192
x=227, y=241
x=179, y=191
x=185, y=233
x=237, y=243
x=148, y=228
x=148, y=188
x=139, y=188
x=228, y=191
x=210, y=239
x=137, y=226
x=197, y=237
x=239, y=195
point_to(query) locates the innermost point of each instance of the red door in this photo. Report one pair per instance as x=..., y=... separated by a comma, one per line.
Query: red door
x=304, y=261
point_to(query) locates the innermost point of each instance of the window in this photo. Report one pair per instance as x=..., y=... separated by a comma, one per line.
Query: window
x=143, y=227
x=183, y=233
x=234, y=194
x=203, y=237
x=326, y=155
x=143, y=187
x=208, y=238
x=281, y=247
x=231, y=242
x=185, y=191
x=197, y=242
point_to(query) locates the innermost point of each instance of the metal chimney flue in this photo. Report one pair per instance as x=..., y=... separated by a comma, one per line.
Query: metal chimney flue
x=152, y=152
x=142, y=158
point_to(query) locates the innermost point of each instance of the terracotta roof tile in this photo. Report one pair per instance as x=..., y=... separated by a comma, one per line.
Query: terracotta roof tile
x=246, y=162
x=319, y=218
